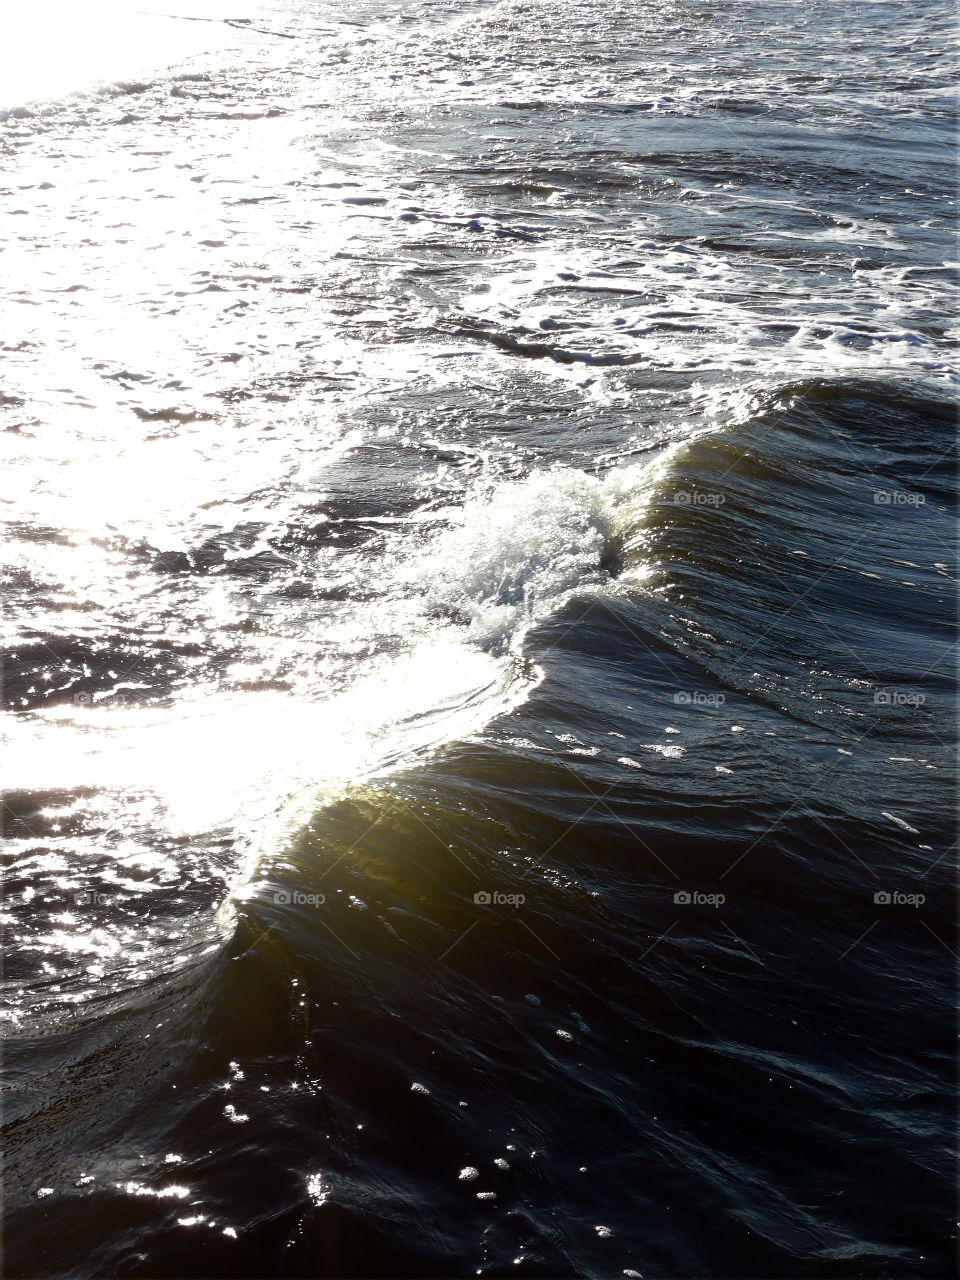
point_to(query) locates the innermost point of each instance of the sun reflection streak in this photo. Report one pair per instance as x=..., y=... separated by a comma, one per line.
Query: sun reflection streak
x=214, y=758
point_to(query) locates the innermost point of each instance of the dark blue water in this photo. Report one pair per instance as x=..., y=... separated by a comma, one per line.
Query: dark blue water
x=480, y=648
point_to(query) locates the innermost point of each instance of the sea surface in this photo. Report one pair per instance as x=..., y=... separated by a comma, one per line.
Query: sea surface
x=479, y=639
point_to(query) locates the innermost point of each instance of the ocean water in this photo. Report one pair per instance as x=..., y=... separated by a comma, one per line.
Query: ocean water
x=479, y=639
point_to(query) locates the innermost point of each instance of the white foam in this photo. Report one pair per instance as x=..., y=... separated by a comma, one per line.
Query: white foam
x=517, y=553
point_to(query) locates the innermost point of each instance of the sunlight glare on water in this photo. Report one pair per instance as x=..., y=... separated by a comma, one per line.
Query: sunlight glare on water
x=53, y=47
x=216, y=759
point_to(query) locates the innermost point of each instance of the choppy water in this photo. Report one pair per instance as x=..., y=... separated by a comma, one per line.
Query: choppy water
x=480, y=643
